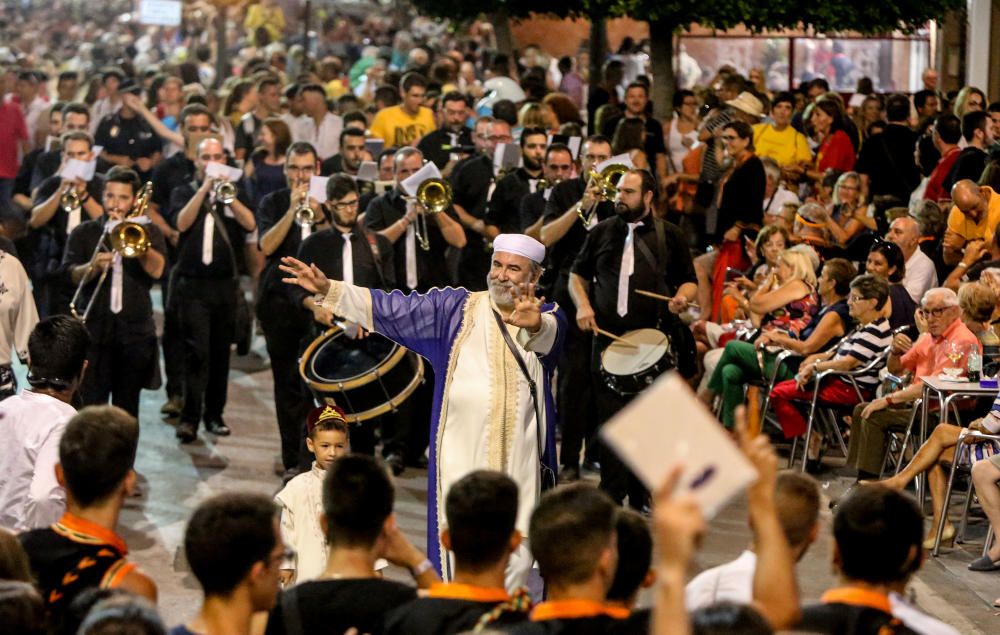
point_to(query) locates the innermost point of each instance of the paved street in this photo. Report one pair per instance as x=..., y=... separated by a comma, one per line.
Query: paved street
x=175, y=478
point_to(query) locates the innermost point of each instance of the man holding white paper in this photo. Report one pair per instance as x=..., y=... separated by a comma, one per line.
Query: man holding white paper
x=212, y=234
x=55, y=215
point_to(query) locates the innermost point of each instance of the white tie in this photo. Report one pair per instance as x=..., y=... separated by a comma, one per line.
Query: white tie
x=532, y=185
x=411, y=255
x=628, y=266
x=73, y=220
x=306, y=231
x=207, y=236
x=116, y=283
x=347, y=259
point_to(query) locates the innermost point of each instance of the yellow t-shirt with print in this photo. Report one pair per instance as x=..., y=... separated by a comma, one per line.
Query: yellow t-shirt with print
x=787, y=147
x=984, y=229
x=399, y=129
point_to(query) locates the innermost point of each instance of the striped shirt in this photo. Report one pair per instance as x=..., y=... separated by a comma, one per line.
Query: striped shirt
x=864, y=344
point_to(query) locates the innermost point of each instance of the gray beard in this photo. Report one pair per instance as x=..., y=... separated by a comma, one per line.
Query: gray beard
x=500, y=293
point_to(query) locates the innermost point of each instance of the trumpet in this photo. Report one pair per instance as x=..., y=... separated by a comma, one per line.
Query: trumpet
x=607, y=182
x=435, y=196
x=304, y=214
x=127, y=238
x=224, y=192
x=70, y=200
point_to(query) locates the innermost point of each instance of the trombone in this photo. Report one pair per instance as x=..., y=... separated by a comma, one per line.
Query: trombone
x=435, y=196
x=127, y=238
x=607, y=181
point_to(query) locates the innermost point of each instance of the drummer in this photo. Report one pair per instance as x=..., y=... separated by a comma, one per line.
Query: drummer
x=347, y=251
x=630, y=251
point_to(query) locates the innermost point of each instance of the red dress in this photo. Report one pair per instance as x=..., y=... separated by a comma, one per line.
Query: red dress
x=835, y=152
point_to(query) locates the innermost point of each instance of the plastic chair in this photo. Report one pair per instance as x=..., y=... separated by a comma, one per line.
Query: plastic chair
x=960, y=534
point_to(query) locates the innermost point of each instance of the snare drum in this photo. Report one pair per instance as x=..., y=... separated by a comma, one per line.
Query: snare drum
x=367, y=377
x=628, y=368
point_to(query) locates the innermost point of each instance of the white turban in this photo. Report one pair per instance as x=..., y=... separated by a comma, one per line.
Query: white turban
x=521, y=245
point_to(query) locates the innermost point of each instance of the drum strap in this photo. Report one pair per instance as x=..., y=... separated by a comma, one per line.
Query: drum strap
x=548, y=476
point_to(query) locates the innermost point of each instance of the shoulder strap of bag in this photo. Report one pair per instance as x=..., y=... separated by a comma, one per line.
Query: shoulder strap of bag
x=532, y=388
x=658, y=265
x=372, y=241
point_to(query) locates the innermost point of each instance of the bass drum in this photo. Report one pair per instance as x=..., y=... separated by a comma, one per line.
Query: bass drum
x=367, y=377
x=628, y=368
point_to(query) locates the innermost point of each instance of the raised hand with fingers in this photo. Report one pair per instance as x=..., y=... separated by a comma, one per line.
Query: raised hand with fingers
x=527, y=312
x=309, y=277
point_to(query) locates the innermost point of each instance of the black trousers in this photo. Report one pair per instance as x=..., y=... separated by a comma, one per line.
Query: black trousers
x=173, y=345
x=119, y=365
x=616, y=479
x=207, y=319
x=284, y=328
x=575, y=399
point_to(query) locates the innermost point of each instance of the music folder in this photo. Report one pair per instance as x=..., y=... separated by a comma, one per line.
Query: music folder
x=666, y=425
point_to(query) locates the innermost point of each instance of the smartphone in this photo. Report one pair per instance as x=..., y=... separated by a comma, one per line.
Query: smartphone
x=733, y=274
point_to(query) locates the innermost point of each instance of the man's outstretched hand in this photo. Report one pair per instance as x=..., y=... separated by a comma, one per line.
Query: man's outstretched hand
x=527, y=312
x=309, y=277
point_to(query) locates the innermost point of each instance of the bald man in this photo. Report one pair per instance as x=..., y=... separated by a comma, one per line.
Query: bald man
x=974, y=217
x=920, y=272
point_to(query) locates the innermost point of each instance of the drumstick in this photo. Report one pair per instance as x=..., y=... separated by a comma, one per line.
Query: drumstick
x=753, y=411
x=620, y=340
x=657, y=296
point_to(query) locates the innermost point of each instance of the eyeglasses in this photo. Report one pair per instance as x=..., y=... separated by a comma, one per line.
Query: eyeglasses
x=728, y=138
x=857, y=298
x=346, y=204
x=934, y=312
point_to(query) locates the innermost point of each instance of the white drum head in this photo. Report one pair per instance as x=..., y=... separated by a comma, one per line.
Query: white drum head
x=649, y=347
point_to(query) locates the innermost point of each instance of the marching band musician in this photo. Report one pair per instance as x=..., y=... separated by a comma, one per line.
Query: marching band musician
x=122, y=358
x=52, y=224
x=631, y=250
x=283, y=322
x=212, y=235
x=503, y=210
x=563, y=232
x=394, y=216
x=556, y=168
x=349, y=252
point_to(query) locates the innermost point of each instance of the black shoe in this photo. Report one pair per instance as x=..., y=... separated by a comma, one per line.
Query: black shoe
x=592, y=466
x=217, y=427
x=395, y=461
x=186, y=432
x=984, y=564
x=569, y=474
x=419, y=463
x=172, y=408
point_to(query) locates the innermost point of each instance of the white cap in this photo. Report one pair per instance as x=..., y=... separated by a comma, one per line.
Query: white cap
x=521, y=245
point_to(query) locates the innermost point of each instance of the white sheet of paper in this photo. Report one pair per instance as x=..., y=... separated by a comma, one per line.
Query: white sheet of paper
x=667, y=425
x=412, y=182
x=574, y=146
x=221, y=170
x=317, y=188
x=367, y=171
x=97, y=150
x=77, y=169
x=507, y=155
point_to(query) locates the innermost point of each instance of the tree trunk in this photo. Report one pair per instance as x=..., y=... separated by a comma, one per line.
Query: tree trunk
x=221, y=67
x=505, y=37
x=598, y=46
x=661, y=52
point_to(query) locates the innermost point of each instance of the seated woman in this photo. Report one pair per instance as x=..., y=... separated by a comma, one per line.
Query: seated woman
x=767, y=248
x=847, y=221
x=978, y=303
x=986, y=477
x=941, y=447
x=810, y=226
x=870, y=339
x=786, y=300
x=885, y=260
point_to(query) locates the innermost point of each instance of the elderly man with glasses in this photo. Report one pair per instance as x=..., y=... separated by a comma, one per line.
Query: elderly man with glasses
x=874, y=421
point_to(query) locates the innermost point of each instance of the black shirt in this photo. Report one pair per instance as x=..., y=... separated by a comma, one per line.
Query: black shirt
x=653, y=143
x=444, y=616
x=969, y=165
x=532, y=207
x=887, y=159
x=742, y=197
x=503, y=210
x=246, y=133
x=271, y=210
x=849, y=619
x=432, y=143
x=132, y=137
x=563, y=253
x=171, y=173
x=372, y=259
x=22, y=182
x=600, y=260
x=471, y=180
x=46, y=165
x=188, y=257
x=597, y=625
x=58, y=222
x=333, y=165
x=136, y=316
x=334, y=606
x=432, y=271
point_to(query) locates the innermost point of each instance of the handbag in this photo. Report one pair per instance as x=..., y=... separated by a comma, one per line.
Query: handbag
x=548, y=476
x=243, y=330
